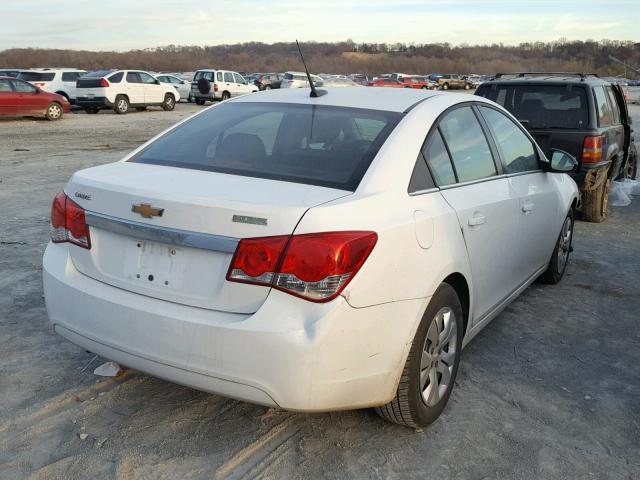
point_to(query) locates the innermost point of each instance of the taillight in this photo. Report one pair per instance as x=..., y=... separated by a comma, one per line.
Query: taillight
x=103, y=82
x=215, y=87
x=39, y=84
x=316, y=266
x=592, y=149
x=68, y=223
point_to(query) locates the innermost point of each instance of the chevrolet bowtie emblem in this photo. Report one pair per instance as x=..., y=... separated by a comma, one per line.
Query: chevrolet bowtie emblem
x=147, y=211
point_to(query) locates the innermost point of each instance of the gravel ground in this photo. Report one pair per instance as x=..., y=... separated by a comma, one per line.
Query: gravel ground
x=549, y=390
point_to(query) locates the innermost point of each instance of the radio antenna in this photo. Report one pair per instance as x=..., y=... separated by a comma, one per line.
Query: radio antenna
x=314, y=93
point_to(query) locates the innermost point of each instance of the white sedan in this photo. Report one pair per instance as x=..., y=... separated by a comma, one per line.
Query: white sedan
x=182, y=86
x=311, y=254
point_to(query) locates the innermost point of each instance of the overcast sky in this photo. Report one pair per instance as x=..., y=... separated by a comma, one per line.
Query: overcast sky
x=128, y=24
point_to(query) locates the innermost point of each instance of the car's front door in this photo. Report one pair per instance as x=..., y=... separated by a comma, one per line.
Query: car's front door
x=153, y=89
x=483, y=202
x=241, y=84
x=8, y=98
x=28, y=101
x=535, y=191
x=135, y=88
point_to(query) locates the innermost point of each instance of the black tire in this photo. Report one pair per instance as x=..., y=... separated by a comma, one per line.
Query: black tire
x=121, y=105
x=445, y=86
x=199, y=101
x=54, y=111
x=141, y=109
x=424, y=88
x=560, y=256
x=91, y=110
x=169, y=102
x=226, y=96
x=631, y=168
x=204, y=86
x=595, y=203
x=409, y=406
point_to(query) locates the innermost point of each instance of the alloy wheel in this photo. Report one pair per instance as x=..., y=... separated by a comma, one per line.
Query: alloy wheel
x=54, y=111
x=564, y=246
x=438, y=357
x=122, y=105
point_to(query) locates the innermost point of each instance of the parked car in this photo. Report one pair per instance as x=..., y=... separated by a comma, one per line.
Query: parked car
x=181, y=85
x=474, y=80
x=267, y=81
x=299, y=80
x=22, y=99
x=580, y=114
x=448, y=81
x=418, y=82
x=122, y=89
x=339, y=82
x=360, y=79
x=55, y=80
x=386, y=82
x=11, y=72
x=210, y=85
x=242, y=252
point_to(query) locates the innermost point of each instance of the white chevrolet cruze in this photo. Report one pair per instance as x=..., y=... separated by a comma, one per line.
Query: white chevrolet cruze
x=312, y=254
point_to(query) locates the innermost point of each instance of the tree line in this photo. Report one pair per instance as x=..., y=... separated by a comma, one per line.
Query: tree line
x=349, y=57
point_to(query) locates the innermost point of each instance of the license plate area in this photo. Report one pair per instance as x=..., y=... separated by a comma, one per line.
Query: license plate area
x=155, y=264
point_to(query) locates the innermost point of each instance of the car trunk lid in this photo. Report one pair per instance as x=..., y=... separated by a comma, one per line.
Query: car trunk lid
x=170, y=233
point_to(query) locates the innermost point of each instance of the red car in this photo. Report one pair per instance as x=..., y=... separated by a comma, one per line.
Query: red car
x=386, y=82
x=21, y=99
x=418, y=82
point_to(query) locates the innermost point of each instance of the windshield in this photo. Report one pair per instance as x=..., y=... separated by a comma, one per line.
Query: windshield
x=316, y=145
x=542, y=106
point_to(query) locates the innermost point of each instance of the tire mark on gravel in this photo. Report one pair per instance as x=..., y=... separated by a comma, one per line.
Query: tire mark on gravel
x=254, y=453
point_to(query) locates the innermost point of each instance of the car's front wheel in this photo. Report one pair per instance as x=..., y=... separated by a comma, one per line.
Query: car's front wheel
x=560, y=257
x=169, y=102
x=432, y=365
x=54, y=111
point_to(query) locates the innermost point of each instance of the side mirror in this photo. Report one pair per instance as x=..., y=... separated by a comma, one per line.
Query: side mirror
x=562, y=162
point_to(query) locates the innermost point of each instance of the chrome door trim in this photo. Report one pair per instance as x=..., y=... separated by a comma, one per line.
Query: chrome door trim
x=171, y=236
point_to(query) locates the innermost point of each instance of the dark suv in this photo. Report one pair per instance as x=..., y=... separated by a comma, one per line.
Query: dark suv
x=267, y=81
x=580, y=114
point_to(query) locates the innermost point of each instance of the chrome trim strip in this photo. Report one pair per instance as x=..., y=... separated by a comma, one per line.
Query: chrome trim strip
x=172, y=236
x=473, y=182
x=423, y=192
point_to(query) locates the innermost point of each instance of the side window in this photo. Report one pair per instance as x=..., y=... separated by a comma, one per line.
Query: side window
x=467, y=144
x=438, y=158
x=23, y=87
x=219, y=76
x=115, y=78
x=615, y=108
x=420, y=178
x=133, y=77
x=5, y=86
x=605, y=116
x=146, y=78
x=228, y=77
x=239, y=78
x=517, y=152
x=70, y=76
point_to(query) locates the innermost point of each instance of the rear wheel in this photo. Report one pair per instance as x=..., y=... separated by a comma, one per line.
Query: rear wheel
x=54, y=111
x=226, y=96
x=595, y=202
x=445, y=86
x=560, y=256
x=121, y=106
x=169, y=102
x=432, y=365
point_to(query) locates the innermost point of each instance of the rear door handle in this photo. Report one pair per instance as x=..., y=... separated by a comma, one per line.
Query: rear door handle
x=527, y=207
x=476, y=220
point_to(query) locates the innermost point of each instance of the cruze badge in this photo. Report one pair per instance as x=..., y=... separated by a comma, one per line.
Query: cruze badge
x=147, y=211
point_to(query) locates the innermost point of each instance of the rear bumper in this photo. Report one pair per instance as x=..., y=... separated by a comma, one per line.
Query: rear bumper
x=211, y=96
x=291, y=353
x=100, y=102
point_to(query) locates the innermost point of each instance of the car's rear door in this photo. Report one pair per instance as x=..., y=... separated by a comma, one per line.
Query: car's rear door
x=134, y=88
x=535, y=191
x=620, y=116
x=471, y=182
x=229, y=83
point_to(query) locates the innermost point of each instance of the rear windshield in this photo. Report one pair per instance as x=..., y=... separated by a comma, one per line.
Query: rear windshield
x=36, y=76
x=542, y=106
x=201, y=74
x=98, y=73
x=315, y=145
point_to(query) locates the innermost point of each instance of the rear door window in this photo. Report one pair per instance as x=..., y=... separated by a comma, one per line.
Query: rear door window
x=228, y=77
x=605, y=115
x=615, y=108
x=315, y=145
x=470, y=152
x=219, y=76
x=133, y=77
x=516, y=150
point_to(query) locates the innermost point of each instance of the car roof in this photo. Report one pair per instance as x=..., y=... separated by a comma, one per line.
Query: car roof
x=387, y=99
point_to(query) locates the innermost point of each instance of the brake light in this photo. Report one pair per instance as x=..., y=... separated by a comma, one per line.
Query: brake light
x=215, y=87
x=103, y=82
x=316, y=266
x=592, y=149
x=39, y=84
x=68, y=222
